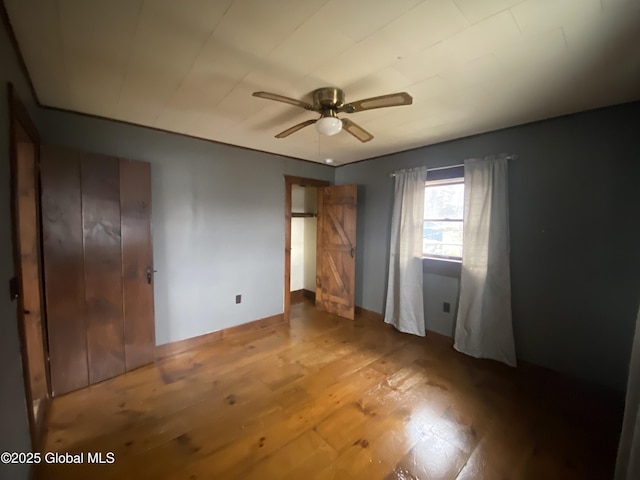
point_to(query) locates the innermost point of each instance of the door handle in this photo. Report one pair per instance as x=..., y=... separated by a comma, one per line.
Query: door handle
x=353, y=252
x=149, y=276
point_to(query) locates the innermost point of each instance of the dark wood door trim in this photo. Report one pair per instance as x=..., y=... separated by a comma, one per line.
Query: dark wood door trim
x=289, y=181
x=19, y=125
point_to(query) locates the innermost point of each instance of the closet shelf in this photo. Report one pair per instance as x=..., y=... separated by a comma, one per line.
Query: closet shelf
x=303, y=214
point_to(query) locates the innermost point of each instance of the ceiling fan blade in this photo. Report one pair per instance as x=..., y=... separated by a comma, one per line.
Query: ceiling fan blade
x=281, y=98
x=356, y=130
x=390, y=100
x=295, y=128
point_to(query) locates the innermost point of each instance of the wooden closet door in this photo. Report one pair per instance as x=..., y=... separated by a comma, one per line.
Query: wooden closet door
x=336, y=250
x=102, y=266
x=137, y=263
x=63, y=268
x=98, y=266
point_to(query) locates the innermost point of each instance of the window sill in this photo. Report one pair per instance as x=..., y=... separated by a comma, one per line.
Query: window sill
x=442, y=266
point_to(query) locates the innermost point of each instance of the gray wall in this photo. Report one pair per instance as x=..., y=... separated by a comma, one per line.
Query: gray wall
x=218, y=220
x=14, y=427
x=574, y=209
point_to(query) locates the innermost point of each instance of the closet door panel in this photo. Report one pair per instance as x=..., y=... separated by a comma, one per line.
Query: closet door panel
x=137, y=263
x=63, y=268
x=102, y=266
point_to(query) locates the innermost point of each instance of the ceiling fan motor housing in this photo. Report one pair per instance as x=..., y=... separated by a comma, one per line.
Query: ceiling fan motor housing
x=328, y=98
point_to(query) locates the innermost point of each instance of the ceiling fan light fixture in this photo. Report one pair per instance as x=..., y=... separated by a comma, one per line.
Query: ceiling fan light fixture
x=329, y=102
x=328, y=125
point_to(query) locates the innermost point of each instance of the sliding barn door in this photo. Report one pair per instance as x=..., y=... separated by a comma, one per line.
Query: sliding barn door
x=98, y=266
x=336, y=250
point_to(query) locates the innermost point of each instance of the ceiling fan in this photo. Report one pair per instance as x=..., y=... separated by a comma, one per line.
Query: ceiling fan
x=328, y=102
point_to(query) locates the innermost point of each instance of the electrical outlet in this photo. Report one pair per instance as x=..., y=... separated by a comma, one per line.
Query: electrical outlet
x=446, y=307
x=238, y=298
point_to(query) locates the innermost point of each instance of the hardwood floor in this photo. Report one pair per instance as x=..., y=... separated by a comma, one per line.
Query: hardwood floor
x=330, y=398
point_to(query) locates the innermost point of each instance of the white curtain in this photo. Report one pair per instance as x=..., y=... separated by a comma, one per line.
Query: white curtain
x=405, y=306
x=483, y=325
x=628, y=463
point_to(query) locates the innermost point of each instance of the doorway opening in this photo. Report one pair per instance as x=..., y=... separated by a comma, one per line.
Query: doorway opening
x=304, y=225
x=300, y=239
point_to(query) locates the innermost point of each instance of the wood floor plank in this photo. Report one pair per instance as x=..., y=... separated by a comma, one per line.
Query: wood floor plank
x=432, y=457
x=328, y=398
x=293, y=458
x=246, y=397
x=231, y=460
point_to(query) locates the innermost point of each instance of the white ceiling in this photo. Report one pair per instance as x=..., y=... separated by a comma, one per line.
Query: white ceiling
x=190, y=66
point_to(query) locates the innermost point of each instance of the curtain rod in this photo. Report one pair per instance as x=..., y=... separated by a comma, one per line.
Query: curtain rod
x=508, y=157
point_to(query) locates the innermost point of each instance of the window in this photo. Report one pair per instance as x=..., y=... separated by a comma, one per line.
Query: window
x=443, y=210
